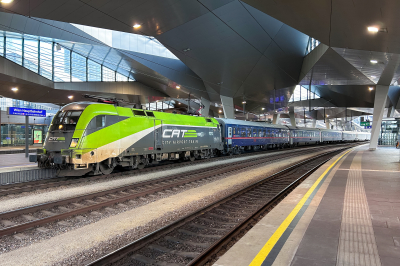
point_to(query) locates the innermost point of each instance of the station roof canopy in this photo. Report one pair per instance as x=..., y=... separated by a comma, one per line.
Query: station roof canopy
x=252, y=50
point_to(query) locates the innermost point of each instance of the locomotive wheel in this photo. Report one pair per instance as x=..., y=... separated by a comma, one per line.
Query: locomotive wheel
x=141, y=166
x=192, y=157
x=106, y=168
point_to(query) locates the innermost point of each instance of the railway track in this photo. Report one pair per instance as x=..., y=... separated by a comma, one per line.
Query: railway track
x=198, y=237
x=39, y=215
x=65, y=181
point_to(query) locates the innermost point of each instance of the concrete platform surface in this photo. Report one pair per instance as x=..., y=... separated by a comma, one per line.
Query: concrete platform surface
x=15, y=162
x=346, y=213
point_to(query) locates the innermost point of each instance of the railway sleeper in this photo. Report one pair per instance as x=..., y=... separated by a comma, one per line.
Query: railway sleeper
x=203, y=227
x=186, y=254
x=149, y=261
x=190, y=233
x=187, y=242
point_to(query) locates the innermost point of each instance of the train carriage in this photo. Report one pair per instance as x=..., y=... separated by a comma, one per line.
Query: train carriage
x=349, y=136
x=238, y=135
x=304, y=136
x=362, y=136
x=330, y=136
x=88, y=137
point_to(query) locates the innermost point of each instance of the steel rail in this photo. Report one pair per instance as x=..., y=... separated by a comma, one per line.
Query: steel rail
x=146, y=240
x=62, y=181
x=206, y=173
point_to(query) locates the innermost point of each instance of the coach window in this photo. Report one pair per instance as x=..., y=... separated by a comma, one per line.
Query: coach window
x=248, y=132
x=234, y=131
x=243, y=132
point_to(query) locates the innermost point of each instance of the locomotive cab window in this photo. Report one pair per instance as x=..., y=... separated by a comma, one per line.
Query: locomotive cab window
x=71, y=117
x=65, y=120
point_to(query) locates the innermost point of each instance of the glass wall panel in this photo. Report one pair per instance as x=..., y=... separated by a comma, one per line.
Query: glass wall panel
x=14, y=50
x=31, y=55
x=70, y=62
x=78, y=67
x=301, y=94
x=62, y=62
x=120, y=77
x=108, y=74
x=94, y=71
x=1, y=45
x=46, y=62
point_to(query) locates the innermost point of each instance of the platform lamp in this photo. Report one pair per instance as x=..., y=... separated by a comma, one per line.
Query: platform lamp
x=244, y=106
x=264, y=114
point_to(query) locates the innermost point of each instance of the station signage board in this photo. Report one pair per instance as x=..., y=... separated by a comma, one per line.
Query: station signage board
x=365, y=123
x=367, y=127
x=26, y=111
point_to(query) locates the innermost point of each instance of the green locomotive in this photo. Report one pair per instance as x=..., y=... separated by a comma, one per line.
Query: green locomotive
x=87, y=137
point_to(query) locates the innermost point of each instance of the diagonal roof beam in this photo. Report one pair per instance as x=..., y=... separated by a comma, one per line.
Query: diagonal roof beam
x=311, y=59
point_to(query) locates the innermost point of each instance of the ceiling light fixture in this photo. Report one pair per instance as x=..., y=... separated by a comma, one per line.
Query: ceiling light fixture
x=70, y=97
x=374, y=61
x=136, y=26
x=263, y=108
x=178, y=87
x=220, y=111
x=244, y=102
x=373, y=77
x=6, y=1
x=14, y=89
x=186, y=50
x=373, y=29
x=371, y=88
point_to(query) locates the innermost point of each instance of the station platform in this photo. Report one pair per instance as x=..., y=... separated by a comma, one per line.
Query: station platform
x=15, y=162
x=18, y=149
x=345, y=213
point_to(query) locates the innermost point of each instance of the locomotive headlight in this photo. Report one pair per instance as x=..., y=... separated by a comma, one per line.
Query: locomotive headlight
x=60, y=126
x=74, y=142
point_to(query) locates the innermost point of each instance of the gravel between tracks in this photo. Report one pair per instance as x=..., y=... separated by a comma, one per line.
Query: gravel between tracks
x=77, y=246
x=21, y=200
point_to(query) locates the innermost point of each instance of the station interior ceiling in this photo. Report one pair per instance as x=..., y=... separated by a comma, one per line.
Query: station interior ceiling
x=253, y=51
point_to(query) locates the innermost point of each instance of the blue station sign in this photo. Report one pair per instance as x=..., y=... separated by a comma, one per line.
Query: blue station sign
x=26, y=111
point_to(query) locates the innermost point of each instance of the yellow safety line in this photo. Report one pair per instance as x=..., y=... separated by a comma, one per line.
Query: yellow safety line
x=259, y=259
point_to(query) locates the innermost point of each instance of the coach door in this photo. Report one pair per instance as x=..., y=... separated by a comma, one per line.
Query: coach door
x=158, y=134
x=230, y=135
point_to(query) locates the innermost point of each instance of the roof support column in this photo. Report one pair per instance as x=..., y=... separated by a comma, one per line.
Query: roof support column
x=381, y=94
x=390, y=112
x=327, y=123
x=227, y=105
x=276, y=119
x=205, y=110
x=291, y=116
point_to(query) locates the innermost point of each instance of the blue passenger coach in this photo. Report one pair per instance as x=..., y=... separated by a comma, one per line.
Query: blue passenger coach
x=240, y=135
x=304, y=136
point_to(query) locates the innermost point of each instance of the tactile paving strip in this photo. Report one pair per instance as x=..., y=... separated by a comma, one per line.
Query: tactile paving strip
x=357, y=244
